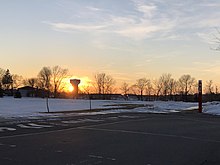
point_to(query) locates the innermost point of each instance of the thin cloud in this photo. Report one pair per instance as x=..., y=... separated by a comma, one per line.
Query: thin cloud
x=138, y=32
x=210, y=4
x=147, y=9
x=91, y=8
x=147, y=19
x=144, y=24
x=138, y=26
x=75, y=27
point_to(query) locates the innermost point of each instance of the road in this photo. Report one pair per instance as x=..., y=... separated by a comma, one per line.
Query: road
x=131, y=139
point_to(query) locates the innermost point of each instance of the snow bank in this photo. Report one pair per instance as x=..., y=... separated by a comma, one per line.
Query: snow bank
x=212, y=108
x=154, y=107
x=11, y=107
x=32, y=107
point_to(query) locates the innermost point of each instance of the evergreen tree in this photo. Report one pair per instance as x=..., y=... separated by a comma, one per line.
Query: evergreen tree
x=7, y=81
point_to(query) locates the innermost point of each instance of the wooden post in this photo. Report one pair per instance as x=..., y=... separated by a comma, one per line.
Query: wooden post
x=200, y=96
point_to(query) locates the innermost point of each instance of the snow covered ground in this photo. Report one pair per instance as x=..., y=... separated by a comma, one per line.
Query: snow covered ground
x=34, y=107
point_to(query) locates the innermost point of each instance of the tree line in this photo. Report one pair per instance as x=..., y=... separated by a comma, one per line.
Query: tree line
x=165, y=86
x=51, y=80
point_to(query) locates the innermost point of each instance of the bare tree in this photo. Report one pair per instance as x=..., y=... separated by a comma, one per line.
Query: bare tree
x=99, y=79
x=165, y=80
x=109, y=84
x=141, y=86
x=216, y=40
x=124, y=88
x=149, y=89
x=87, y=89
x=186, y=82
x=133, y=89
x=209, y=88
x=44, y=77
x=17, y=81
x=216, y=89
x=2, y=72
x=31, y=82
x=104, y=83
x=167, y=85
x=58, y=75
x=173, y=88
x=157, y=87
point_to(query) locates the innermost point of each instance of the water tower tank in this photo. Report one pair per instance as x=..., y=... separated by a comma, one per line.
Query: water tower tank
x=75, y=83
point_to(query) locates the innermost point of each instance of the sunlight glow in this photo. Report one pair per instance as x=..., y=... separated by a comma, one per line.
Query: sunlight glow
x=69, y=88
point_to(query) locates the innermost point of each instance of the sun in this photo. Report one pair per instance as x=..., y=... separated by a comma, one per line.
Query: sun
x=70, y=88
x=67, y=87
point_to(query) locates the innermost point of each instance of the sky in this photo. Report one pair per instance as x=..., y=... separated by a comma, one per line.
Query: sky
x=127, y=39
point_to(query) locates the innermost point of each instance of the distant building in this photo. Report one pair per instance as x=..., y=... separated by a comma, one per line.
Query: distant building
x=27, y=91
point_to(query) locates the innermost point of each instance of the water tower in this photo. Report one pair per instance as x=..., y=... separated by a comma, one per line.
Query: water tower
x=75, y=83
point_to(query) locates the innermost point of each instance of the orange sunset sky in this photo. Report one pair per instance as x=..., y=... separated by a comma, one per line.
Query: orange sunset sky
x=127, y=39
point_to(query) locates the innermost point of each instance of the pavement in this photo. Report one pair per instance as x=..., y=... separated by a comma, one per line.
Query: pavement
x=186, y=138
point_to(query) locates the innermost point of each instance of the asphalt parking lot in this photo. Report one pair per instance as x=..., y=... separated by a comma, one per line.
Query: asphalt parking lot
x=148, y=139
